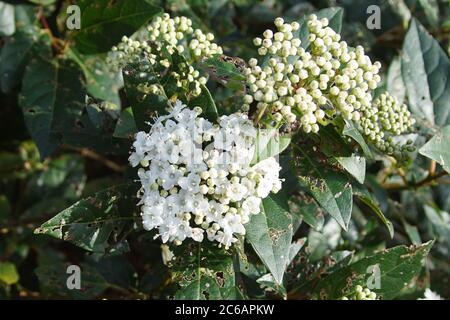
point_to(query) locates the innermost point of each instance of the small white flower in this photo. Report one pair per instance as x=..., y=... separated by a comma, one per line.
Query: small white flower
x=431, y=295
x=190, y=185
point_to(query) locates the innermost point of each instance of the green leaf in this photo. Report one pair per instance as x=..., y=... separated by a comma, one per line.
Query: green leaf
x=104, y=22
x=145, y=106
x=355, y=165
x=206, y=102
x=413, y=233
x=351, y=131
x=8, y=273
x=440, y=222
x=269, y=143
x=17, y=52
x=203, y=272
x=53, y=278
x=270, y=234
x=331, y=189
x=268, y=282
x=52, y=96
x=335, y=147
x=226, y=72
x=126, y=126
x=97, y=221
x=400, y=7
x=437, y=148
x=366, y=197
x=309, y=211
x=295, y=248
x=397, y=266
x=426, y=74
x=431, y=9
x=101, y=83
x=7, y=21
x=395, y=84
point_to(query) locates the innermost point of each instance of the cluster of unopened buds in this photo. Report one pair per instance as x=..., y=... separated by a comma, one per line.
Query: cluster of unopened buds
x=387, y=118
x=311, y=86
x=198, y=177
x=162, y=38
x=362, y=294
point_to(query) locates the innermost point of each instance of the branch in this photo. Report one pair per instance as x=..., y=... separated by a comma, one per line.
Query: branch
x=85, y=152
x=429, y=180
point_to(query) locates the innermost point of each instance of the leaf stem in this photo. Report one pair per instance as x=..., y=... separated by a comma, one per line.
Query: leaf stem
x=429, y=180
x=85, y=152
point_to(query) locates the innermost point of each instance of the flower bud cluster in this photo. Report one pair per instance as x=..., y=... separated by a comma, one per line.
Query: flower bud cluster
x=362, y=294
x=310, y=85
x=163, y=37
x=178, y=33
x=197, y=176
x=384, y=119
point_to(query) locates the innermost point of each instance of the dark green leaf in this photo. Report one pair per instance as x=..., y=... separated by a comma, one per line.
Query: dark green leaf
x=426, y=73
x=96, y=222
x=16, y=54
x=270, y=234
x=413, y=233
x=331, y=188
x=437, y=148
x=394, y=81
x=351, y=131
x=53, y=277
x=104, y=22
x=355, y=165
x=431, y=9
x=204, y=273
x=440, y=222
x=269, y=143
x=206, y=102
x=225, y=72
x=126, y=126
x=145, y=106
x=366, y=197
x=51, y=96
x=397, y=268
x=101, y=83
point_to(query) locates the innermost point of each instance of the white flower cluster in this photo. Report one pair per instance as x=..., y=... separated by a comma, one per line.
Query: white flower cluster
x=385, y=117
x=308, y=86
x=170, y=35
x=196, y=176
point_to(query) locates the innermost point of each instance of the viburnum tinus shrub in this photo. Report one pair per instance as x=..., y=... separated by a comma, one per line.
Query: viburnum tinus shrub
x=185, y=158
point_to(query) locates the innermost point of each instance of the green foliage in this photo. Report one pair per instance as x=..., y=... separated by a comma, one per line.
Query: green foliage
x=97, y=223
x=68, y=195
x=270, y=234
x=397, y=266
x=105, y=22
x=204, y=273
x=425, y=70
x=437, y=148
